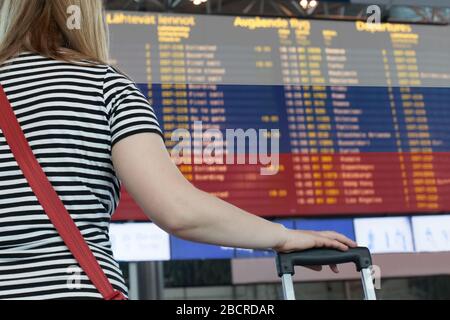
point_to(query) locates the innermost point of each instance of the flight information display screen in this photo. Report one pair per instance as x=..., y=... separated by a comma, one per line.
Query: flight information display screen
x=361, y=111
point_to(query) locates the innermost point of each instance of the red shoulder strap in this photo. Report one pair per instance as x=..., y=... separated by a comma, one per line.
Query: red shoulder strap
x=49, y=200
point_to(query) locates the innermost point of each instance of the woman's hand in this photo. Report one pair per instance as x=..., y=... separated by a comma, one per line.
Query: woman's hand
x=299, y=240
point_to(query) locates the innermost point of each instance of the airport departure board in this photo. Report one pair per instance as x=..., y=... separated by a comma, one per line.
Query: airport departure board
x=362, y=110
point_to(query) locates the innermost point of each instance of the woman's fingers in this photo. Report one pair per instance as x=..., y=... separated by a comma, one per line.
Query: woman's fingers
x=325, y=239
x=334, y=268
x=304, y=240
x=339, y=237
x=315, y=268
x=330, y=243
x=334, y=236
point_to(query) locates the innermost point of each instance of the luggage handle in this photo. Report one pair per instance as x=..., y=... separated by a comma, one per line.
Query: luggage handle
x=286, y=262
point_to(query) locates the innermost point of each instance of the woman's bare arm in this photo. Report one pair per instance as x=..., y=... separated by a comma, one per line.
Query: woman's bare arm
x=144, y=166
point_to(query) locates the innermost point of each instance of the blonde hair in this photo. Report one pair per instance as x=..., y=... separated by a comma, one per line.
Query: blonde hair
x=41, y=26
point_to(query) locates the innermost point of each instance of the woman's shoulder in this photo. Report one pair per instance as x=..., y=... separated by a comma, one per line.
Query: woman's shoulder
x=30, y=57
x=30, y=63
x=116, y=77
x=114, y=70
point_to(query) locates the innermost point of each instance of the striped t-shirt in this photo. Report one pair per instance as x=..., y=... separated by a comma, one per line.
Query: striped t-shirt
x=72, y=115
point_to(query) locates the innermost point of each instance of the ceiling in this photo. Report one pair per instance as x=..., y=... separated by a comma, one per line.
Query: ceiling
x=424, y=11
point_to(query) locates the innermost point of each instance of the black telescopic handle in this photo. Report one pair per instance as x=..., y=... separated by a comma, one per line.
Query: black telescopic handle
x=319, y=257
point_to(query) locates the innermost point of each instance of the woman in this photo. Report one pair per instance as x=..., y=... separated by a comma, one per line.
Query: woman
x=88, y=125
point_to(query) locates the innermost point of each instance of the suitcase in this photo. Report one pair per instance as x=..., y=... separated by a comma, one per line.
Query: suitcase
x=360, y=256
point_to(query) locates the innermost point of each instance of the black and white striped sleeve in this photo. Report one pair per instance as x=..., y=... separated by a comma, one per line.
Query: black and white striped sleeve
x=129, y=111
